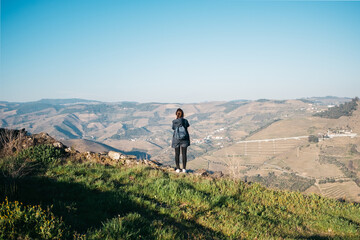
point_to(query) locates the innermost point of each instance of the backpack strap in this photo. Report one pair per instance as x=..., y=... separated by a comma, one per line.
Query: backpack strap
x=183, y=124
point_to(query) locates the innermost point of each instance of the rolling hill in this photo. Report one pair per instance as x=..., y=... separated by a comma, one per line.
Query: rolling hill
x=281, y=156
x=263, y=140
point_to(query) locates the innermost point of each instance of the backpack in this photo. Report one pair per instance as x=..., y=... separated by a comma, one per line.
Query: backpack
x=180, y=132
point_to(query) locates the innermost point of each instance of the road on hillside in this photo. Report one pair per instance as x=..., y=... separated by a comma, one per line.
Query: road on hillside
x=352, y=135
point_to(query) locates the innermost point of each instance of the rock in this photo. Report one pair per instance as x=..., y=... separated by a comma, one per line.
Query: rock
x=131, y=157
x=202, y=172
x=58, y=145
x=128, y=161
x=153, y=163
x=71, y=150
x=88, y=156
x=217, y=174
x=168, y=168
x=115, y=155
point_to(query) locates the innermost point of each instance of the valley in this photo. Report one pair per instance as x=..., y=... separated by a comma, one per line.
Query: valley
x=265, y=141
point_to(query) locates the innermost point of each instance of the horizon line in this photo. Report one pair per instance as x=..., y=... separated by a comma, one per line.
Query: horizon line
x=158, y=102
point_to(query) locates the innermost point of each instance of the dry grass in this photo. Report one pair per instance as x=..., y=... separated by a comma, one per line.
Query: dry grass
x=11, y=141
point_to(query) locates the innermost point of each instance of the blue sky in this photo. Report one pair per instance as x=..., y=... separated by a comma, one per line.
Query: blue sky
x=178, y=51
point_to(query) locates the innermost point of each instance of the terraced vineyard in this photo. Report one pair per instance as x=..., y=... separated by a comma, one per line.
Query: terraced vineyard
x=345, y=190
x=248, y=153
x=266, y=147
x=333, y=191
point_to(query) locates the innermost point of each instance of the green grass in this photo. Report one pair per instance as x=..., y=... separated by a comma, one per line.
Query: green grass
x=102, y=202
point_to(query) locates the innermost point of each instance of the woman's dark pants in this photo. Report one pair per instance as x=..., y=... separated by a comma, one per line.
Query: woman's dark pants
x=177, y=156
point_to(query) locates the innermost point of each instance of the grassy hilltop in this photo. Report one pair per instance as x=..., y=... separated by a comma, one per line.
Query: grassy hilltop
x=47, y=194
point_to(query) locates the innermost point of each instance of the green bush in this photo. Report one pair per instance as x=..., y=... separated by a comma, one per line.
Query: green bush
x=15, y=167
x=28, y=222
x=44, y=154
x=29, y=160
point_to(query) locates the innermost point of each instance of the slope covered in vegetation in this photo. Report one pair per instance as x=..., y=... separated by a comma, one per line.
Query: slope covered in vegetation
x=344, y=109
x=46, y=194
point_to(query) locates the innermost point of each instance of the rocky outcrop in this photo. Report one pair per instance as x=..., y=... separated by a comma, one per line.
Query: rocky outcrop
x=12, y=141
x=116, y=155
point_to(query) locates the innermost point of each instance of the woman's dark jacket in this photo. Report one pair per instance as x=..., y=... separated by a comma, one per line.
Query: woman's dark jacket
x=184, y=142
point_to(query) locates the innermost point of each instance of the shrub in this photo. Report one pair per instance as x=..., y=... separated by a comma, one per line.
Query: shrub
x=10, y=141
x=353, y=149
x=28, y=160
x=44, y=154
x=330, y=180
x=15, y=167
x=313, y=138
x=26, y=163
x=28, y=222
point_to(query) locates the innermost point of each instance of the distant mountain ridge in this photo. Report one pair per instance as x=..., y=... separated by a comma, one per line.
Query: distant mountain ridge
x=262, y=140
x=112, y=123
x=66, y=101
x=55, y=101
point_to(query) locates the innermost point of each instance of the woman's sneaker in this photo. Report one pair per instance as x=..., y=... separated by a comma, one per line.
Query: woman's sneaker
x=184, y=170
x=178, y=170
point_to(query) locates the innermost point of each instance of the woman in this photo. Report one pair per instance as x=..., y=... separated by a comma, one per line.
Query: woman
x=179, y=141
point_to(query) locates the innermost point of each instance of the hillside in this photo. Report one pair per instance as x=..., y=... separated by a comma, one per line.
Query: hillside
x=336, y=112
x=146, y=127
x=281, y=156
x=132, y=200
x=83, y=145
x=264, y=141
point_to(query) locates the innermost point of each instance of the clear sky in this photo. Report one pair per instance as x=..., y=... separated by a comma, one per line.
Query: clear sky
x=178, y=51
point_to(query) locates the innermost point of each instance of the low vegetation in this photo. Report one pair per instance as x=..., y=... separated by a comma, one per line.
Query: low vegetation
x=313, y=138
x=344, y=109
x=289, y=181
x=69, y=200
x=347, y=171
x=29, y=222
